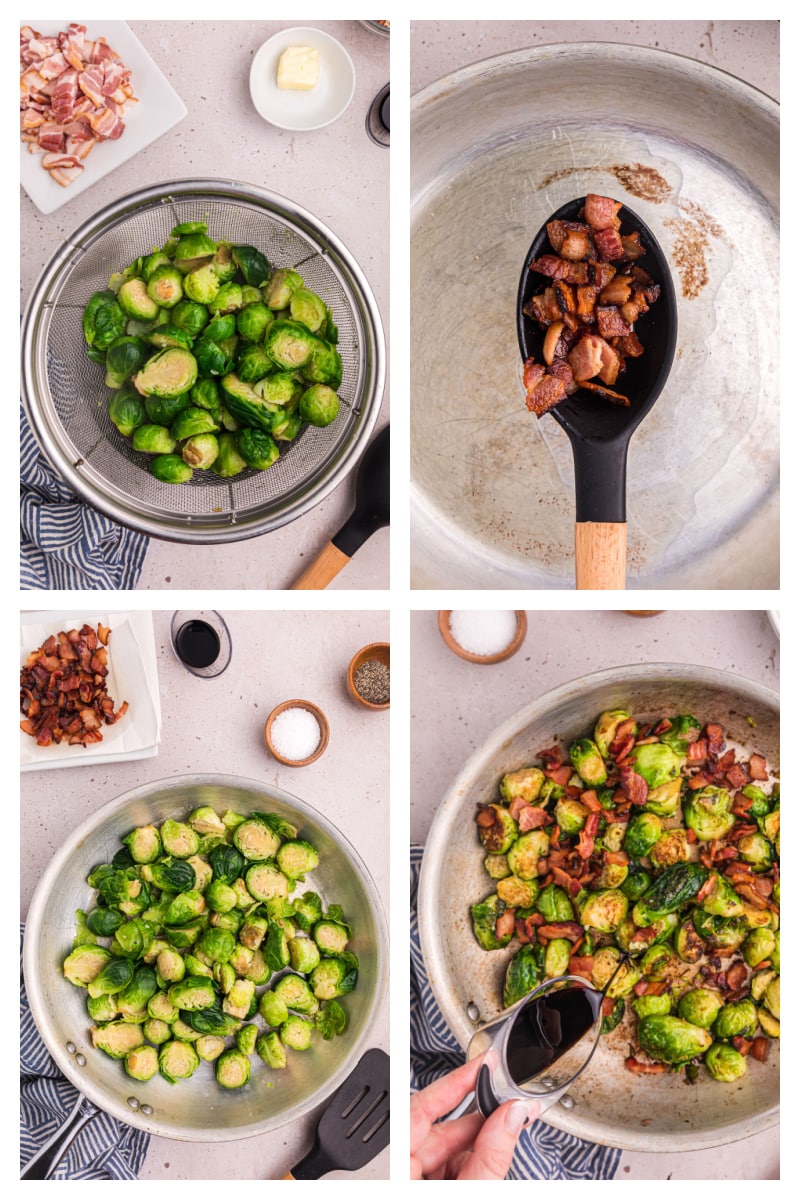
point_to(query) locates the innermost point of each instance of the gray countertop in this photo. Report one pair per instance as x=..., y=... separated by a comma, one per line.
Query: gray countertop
x=217, y=725
x=337, y=173
x=456, y=704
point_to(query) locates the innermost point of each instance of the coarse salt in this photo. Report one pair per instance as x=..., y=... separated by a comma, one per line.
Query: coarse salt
x=483, y=633
x=295, y=733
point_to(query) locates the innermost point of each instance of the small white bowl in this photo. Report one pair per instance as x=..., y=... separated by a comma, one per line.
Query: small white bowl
x=313, y=109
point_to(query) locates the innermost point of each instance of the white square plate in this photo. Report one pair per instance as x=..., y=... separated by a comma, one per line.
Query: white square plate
x=159, y=108
x=132, y=676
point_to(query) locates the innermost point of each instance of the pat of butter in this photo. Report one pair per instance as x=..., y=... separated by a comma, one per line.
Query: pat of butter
x=298, y=68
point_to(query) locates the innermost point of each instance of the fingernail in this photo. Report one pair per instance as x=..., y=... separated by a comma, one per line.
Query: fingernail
x=517, y=1117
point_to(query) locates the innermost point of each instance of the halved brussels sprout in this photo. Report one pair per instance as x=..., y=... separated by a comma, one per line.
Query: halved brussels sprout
x=606, y=728
x=588, y=762
x=165, y=286
x=319, y=405
x=307, y=308
x=525, y=784
x=281, y=287
x=118, y=1038
x=708, y=812
x=202, y=284
x=167, y=374
x=135, y=302
x=524, y=855
x=177, y=1060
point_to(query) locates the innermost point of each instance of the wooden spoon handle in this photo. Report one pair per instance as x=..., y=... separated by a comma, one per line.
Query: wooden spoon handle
x=325, y=567
x=600, y=554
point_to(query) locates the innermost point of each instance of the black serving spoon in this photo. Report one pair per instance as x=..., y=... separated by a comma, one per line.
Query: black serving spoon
x=598, y=430
x=371, y=512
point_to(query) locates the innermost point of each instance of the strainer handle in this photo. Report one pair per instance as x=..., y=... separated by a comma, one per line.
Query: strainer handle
x=325, y=567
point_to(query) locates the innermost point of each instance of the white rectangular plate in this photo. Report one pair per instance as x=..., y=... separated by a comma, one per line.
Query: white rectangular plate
x=159, y=108
x=132, y=676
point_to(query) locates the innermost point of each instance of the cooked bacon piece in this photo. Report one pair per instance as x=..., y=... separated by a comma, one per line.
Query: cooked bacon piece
x=609, y=244
x=546, y=393
x=632, y=246
x=640, y=1068
x=561, y=369
x=560, y=268
x=601, y=212
x=586, y=358
x=610, y=322
x=611, y=364
x=759, y=1049
x=607, y=394
x=737, y=777
x=617, y=291
x=560, y=929
x=505, y=923
x=633, y=785
x=715, y=737
x=59, y=160
x=575, y=245
x=588, y=834
x=532, y=374
x=600, y=274
x=533, y=818
x=736, y=976
x=581, y=964
x=589, y=800
x=757, y=766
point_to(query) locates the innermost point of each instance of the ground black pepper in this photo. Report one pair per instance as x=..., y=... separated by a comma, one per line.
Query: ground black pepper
x=372, y=681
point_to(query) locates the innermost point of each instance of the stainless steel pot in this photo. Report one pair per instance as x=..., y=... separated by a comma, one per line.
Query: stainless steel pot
x=609, y=1105
x=198, y=1110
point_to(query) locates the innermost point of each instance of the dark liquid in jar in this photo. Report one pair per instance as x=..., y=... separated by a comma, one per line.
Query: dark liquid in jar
x=197, y=644
x=384, y=112
x=546, y=1028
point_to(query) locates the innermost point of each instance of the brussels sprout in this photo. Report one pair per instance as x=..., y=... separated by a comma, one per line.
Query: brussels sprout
x=642, y=833
x=604, y=964
x=772, y=998
x=281, y=287
x=201, y=451
x=271, y=1050
x=700, y=1006
x=636, y=939
x=246, y=404
x=103, y=320
x=688, y=943
x=307, y=910
x=658, y=962
x=253, y=931
x=85, y=963
x=736, y=1019
x=754, y=848
x=604, y=910
x=167, y=374
x=193, y=992
x=167, y=336
x=205, y=394
x=239, y=999
x=524, y=855
x=295, y=858
x=556, y=958
x=651, y=1006
x=273, y=1008
x=257, y=448
x=209, y=1047
x=153, y=439
x=280, y=393
x=265, y=880
x=253, y=363
x=496, y=866
x=251, y=263
x=169, y=468
x=554, y=904
x=159, y=1007
x=517, y=893
x=608, y=724
x=212, y=359
x=331, y=937
x=724, y=1063
x=177, y=1060
x=588, y=762
x=104, y=922
x=664, y=800
x=245, y=1039
x=170, y=967
x=636, y=882
x=571, y=815
x=217, y=944
x=289, y=344
x=193, y=250
x=183, y=1031
x=135, y=302
x=253, y=321
x=102, y=1008
x=179, y=839
x=226, y=862
x=138, y=992
x=286, y=426
x=525, y=784
x=656, y=763
x=769, y=1025
x=672, y=1040
x=117, y=1039
x=707, y=812
x=113, y=977
x=671, y=848
x=297, y=994
x=184, y=936
x=189, y=316
x=185, y=906
x=332, y=977
x=192, y=421
x=307, y=308
x=221, y=328
x=220, y=896
x=165, y=286
x=126, y=411
x=676, y=885
x=499, y=835
x=156, y=1031
x=163, y=410
x=325, y=364
x=303, y=954
x=721, y=900
x=683, y=730
x=758, y=946
x=229, y=461
x=296, y=1033
x=124, y=356
x=612, y=875
x=227, y=300
x=202, y=284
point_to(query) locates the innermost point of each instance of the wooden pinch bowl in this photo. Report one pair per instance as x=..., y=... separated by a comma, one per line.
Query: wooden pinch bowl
x=376, y=650
x=512, y=647
x=324, y=732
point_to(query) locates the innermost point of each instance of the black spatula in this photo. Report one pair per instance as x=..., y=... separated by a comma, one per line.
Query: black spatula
x=355, y=1125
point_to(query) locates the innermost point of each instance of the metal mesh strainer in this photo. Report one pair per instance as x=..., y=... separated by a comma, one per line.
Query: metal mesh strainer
x=66, y=398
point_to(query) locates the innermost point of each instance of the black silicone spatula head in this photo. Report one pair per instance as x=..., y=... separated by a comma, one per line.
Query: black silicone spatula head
x=598, y=430
x=355, y=1124
x=372, y=497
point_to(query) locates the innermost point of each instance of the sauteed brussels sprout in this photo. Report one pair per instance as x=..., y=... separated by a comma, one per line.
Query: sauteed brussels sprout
x=655, y=840
x=190, y=920
x=175, y=322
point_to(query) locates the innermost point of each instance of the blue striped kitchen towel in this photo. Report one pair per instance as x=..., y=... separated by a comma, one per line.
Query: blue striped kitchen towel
x=65, y=544
x=542, y=1151
x=104, y=1148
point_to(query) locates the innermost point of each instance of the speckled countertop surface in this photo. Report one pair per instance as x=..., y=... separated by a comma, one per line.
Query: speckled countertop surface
x=217, y=725
x=337, y=173
x=455, y=705
x=748, y=49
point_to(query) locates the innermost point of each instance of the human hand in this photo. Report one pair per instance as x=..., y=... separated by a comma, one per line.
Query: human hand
x=471, y=1147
